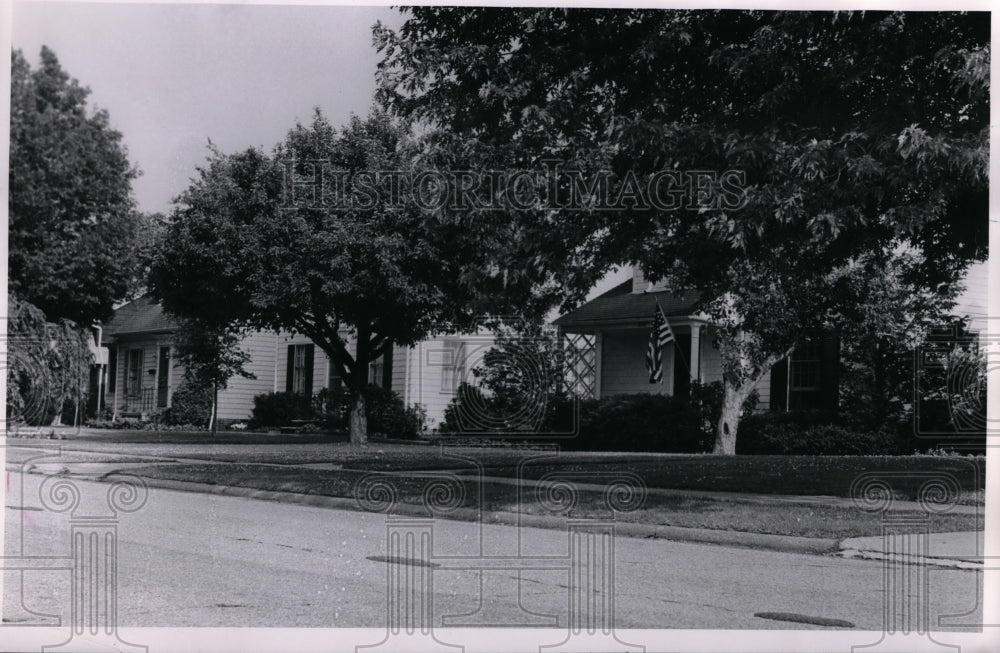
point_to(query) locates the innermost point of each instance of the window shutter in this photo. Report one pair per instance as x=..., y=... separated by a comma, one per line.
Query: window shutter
x=830, y=371
x=112, y=369
x=290, y=369
x=779, y=386
x=682, y=369
x=307, y=384
x=387, y=365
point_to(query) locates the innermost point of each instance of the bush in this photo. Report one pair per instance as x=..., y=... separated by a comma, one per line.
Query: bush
x=390, y=417
x=810, y=433
x=641, y=422
x=757, y=433
x=706, y=398
x=474, y=412
x=280, y=409
x=134, y=424
x=387, y=415
x=191, y=403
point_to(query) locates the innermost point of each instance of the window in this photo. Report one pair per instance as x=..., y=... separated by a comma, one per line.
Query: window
x=804, y=370
x=133, y=372
x=333, y=381
x=376, y=370
x=300, y=369
x=452, y=365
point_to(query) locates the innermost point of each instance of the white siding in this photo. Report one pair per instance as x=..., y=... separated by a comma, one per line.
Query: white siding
x=623, y=364
x=236, y=401
x=974, y=300
x=764, y=392
x=711, y=359
x=400, y=362
x=436, y=367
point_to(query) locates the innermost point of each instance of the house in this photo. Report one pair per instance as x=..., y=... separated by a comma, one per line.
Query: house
x=606, y=341
x=141, y=373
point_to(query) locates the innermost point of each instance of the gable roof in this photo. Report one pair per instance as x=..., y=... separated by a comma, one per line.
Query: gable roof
x=621, y=305
x=142, y=315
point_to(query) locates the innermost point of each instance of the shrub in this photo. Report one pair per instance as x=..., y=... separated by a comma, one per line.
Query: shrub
x=758, y=432
x=280, y=409
x=191, y=403
x=632, y=422
x=331, y=408
x=810, y=433
x=387, y=415
x=641, y=422
x=706, y=398
x=390, y=417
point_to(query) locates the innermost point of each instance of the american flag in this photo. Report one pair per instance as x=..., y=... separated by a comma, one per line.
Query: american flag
x=659, y=335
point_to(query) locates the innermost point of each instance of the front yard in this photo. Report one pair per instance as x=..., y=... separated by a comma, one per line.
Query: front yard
x=783, y=485
x=779, y=518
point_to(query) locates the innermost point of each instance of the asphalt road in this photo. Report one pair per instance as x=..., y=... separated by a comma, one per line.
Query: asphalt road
x=189, y=559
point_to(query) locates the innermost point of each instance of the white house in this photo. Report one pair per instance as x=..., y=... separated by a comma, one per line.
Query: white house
x=608, y=335
x=142, y=375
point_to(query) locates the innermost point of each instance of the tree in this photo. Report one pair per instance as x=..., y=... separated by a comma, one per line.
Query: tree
x=884, y=320
x=48, y=364
x=250, y=245
x=850, y=135
x=211, y=355
x=71, y=216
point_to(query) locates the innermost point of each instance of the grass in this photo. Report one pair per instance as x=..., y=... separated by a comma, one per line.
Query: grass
x=795, y=475
x=673, y=510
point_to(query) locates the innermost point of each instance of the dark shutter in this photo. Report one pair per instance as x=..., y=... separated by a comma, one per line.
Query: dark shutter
x=307, y=382
x=112, y=369
x=94, y=391
x=387, y=365
x=290, y=369
x=829, y=383
x=682, y=369
x=779, y=386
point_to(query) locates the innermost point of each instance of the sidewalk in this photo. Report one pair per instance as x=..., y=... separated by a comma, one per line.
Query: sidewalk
x=956, y=550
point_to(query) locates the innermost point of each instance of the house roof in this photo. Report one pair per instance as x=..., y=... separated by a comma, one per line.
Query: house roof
x=142, y=315
x=620, y=305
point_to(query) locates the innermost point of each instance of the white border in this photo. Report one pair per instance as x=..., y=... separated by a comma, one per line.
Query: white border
x=508, y=639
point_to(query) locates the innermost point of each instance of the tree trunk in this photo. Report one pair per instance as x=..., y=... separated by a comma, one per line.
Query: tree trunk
x=729, y=421
x=57, y=420
x=214, y=410
x=358, y=420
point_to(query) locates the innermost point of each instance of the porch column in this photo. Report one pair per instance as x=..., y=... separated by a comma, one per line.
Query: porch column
x=695, y=357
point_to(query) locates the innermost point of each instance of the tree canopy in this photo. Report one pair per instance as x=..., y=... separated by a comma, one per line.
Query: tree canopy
x=255, y=242
x=851, y=135
x=71, y=214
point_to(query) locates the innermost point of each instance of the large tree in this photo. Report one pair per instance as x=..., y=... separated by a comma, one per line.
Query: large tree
x=305, y=239
x=852, y=135
x=72, y=222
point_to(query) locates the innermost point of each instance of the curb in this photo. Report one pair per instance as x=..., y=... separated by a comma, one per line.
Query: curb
x=781, y=543
x=864, y=554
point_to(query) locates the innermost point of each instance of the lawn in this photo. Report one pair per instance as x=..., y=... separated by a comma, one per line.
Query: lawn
x=793, y=475
x=673, y=510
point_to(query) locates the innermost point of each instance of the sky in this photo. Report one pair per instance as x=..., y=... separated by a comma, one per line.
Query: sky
x=174, y=76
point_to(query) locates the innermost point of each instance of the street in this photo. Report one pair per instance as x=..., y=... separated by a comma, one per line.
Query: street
x=188, y=559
